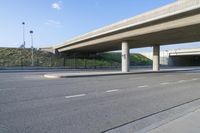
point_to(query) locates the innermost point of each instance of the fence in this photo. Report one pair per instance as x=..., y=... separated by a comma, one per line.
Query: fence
x=13, y=57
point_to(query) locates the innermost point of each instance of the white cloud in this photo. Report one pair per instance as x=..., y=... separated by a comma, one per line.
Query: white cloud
x=57, y=5
x=53, y=23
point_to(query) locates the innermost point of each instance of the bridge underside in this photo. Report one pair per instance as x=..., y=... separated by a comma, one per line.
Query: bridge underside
x=172, y=36
x=181, y=28
x=177, y=27
x=184, y=60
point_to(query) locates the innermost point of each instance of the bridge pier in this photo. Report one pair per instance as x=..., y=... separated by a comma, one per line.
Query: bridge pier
x=125, y=56
x=156, y=57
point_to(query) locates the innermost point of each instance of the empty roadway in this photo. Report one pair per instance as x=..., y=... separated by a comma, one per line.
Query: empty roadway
x=31, y=103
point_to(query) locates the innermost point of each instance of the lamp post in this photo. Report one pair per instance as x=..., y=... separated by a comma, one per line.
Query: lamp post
x=32, y=60
x=23, y=28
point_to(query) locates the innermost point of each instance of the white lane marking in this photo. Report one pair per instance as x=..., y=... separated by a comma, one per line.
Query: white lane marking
x=143, y=86
x=73, y=96
x=108, y=91
x=181, y=81
x=168, y=75
x=189, y=73
x=137, y=78
x=194, y=79
x=164, y=83
x=7, y=89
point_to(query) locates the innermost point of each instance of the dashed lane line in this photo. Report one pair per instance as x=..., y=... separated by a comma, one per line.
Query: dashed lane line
x=73, y=96
x=168, y=75
x=143, y=86
x=164, y=83
x=194, y=79
x=115, y=90
x=109, y=91
x=181, y=81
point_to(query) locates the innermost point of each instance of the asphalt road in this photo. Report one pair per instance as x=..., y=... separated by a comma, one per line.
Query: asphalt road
x=30, y=103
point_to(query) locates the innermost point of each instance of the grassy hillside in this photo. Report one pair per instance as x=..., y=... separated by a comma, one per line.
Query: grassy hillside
x=135, y=59
x=13, y=57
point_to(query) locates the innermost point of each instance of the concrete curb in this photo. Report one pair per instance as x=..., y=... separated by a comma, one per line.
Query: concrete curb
x=98, y=74
x=74, y=75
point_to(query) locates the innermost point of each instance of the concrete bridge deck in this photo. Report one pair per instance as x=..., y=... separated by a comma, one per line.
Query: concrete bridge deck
x=175, y=23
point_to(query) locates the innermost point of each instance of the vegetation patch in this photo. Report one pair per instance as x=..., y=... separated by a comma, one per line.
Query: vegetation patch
x=18, y=57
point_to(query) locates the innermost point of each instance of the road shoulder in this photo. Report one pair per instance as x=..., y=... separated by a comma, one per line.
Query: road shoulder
x=189, y=123
x=156, y=120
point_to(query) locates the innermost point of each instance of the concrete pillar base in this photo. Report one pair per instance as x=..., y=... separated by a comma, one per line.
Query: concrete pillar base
x=156, y=58
x=125, y=57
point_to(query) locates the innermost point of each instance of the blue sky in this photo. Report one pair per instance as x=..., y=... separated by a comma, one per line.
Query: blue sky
x=55, y=21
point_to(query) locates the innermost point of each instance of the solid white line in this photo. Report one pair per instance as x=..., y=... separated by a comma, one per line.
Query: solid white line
x=112, y=90
x=143, y=86
x=164, y=83
x=80, y=95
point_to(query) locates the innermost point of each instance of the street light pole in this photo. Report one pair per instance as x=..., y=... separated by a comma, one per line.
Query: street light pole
x=23, y=26
x=32, y=60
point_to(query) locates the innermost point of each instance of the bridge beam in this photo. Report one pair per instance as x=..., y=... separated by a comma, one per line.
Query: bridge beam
x=125, y=56
x=156, y=57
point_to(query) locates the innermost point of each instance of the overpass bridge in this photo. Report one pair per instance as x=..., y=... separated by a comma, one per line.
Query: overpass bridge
x=177, y=57
x=178, y=22
x=184, y=57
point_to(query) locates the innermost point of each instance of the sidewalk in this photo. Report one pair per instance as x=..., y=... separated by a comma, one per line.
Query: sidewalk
x=189, y=123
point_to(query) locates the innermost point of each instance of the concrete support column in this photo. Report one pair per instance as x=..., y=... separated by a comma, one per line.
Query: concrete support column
x=156, y=58
x=125, y=57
